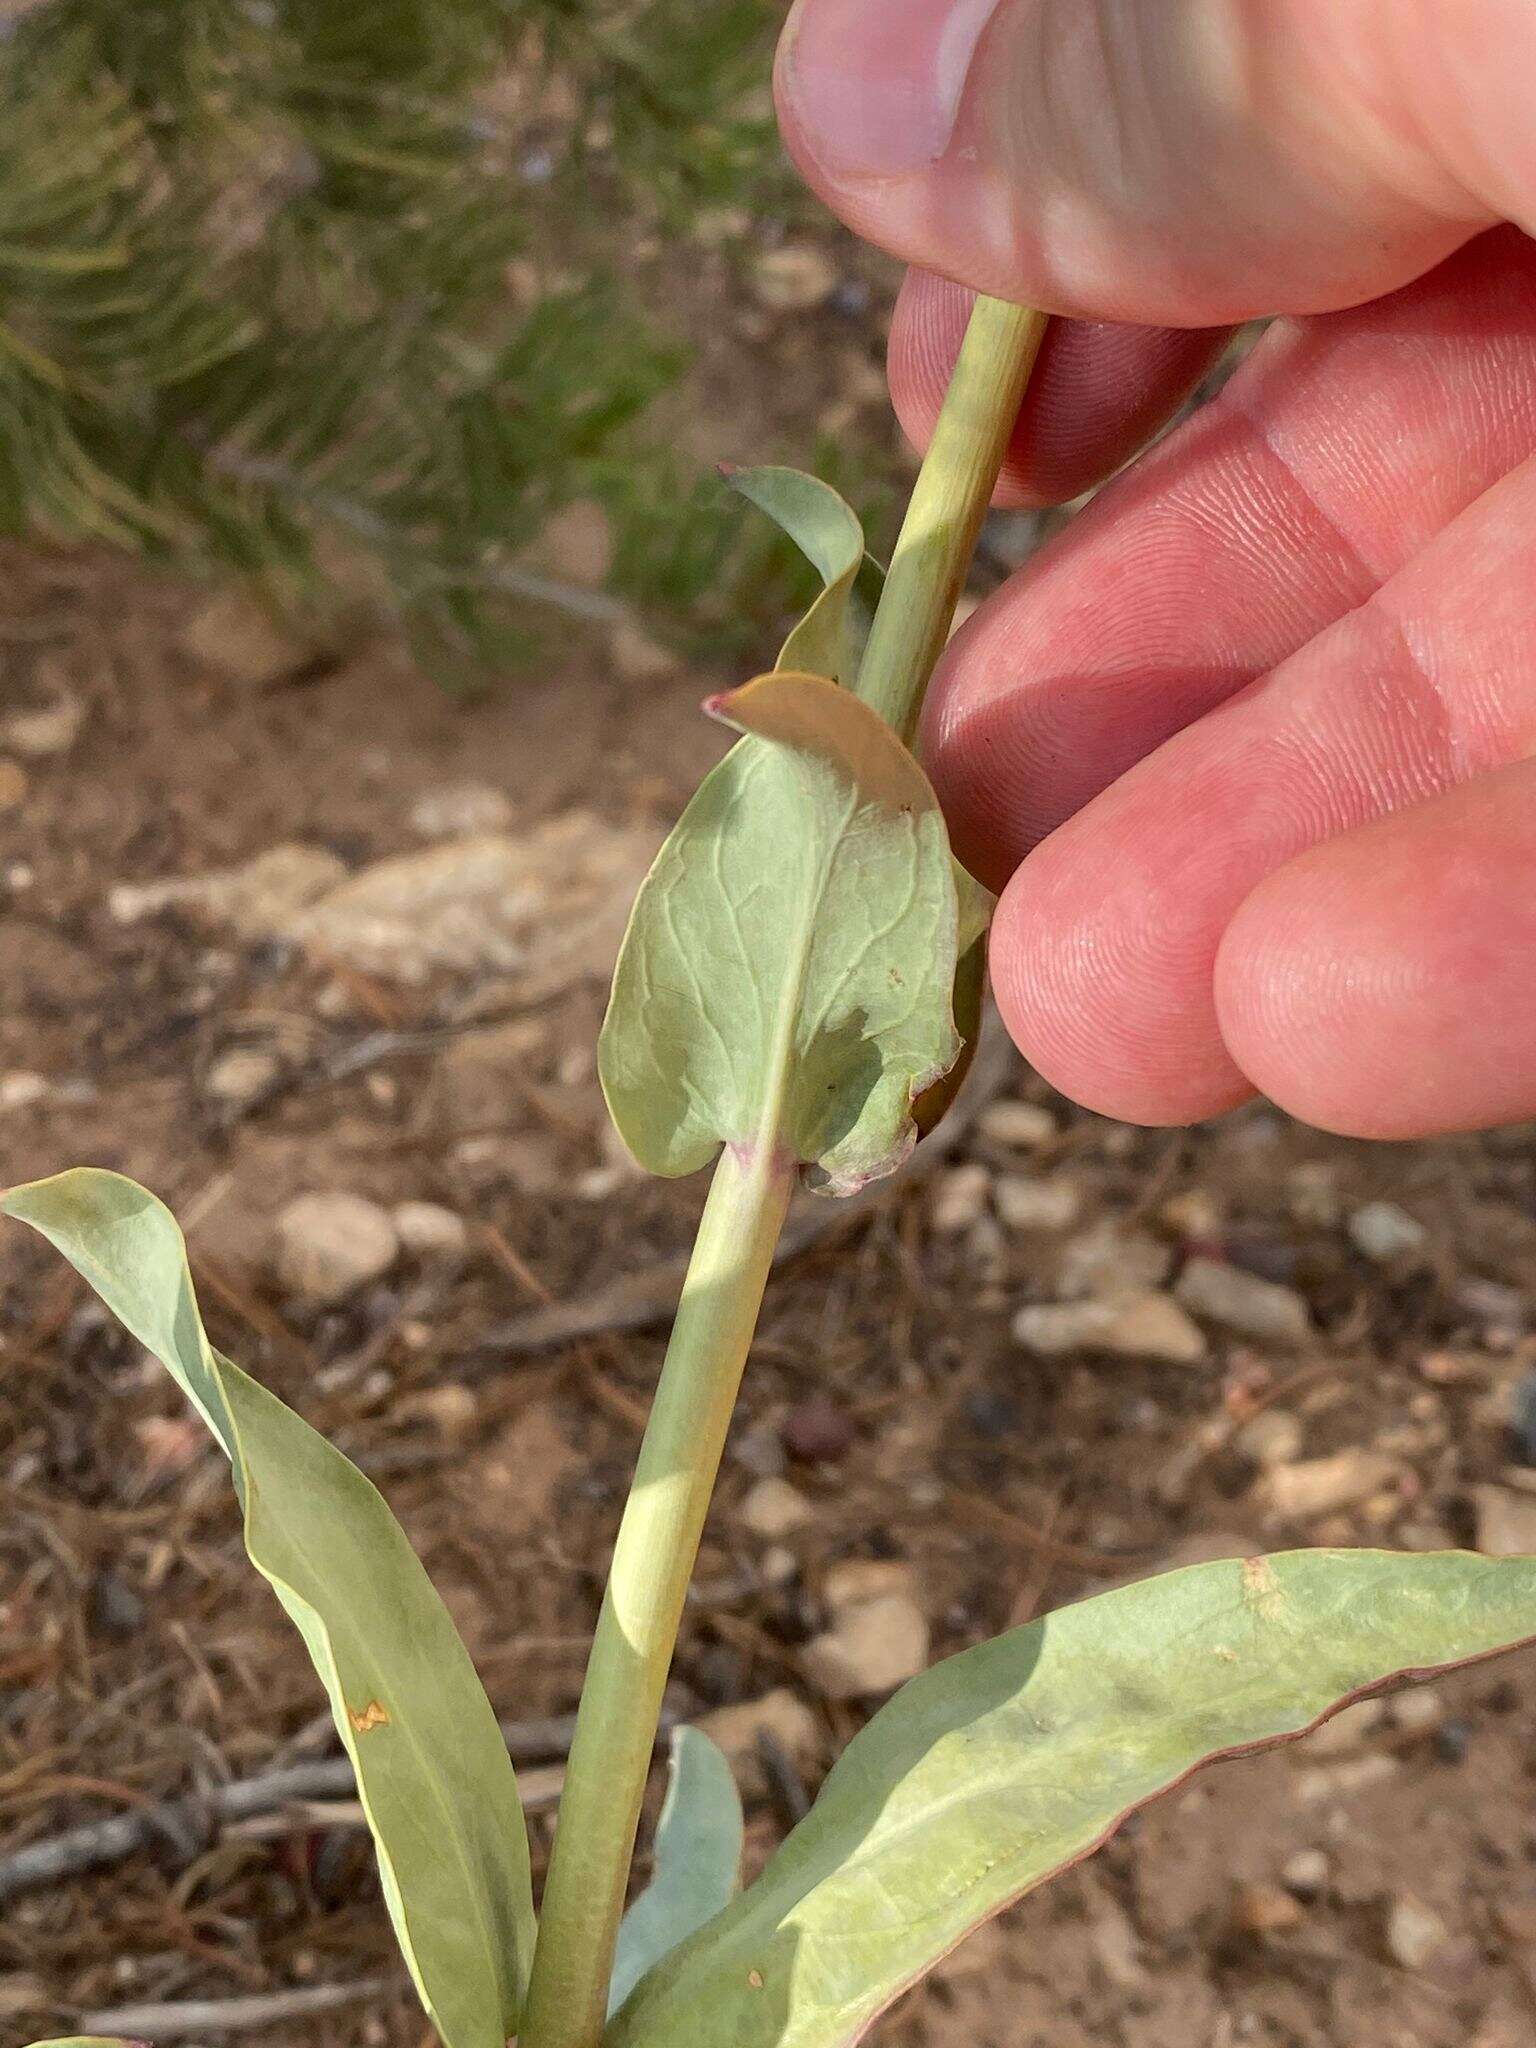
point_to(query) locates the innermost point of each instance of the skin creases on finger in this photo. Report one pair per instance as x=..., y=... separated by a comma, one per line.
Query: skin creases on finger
x=1381, y=984
x=1106, y=940
x=1338, y=449
x=1098, y=392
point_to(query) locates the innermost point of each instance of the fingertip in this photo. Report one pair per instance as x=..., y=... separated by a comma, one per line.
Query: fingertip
x=1379, y=985
x=1087, y=1008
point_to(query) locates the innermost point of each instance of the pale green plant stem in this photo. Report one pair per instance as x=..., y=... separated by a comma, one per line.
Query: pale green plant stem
x=653, y=1561
x=659, y=1536
x=949, y=502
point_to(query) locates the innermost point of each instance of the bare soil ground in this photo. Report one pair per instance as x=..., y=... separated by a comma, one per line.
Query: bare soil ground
x=1374, y=1887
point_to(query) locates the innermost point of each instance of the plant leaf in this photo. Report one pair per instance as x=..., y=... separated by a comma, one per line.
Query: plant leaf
x=697, y=1861
x=788, y=975
x=432, y=1770
x=829, y=640
x=1004, y=1765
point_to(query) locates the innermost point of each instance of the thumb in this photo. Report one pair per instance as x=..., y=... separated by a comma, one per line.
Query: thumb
x=1188, y=162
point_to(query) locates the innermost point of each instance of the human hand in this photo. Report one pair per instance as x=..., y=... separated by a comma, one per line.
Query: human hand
x=1250, y=746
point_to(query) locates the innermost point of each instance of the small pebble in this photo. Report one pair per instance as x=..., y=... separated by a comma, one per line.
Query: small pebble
x=1306, y=1873
x=773, y=1509
x=242, y=1074
x=1108, y=1262
x=431, y=1233
x=1272, y=1437
x=794, y=279
x=1146, y=1325
x=329, y=1246
x=817, y=1432
x=13, y=786
x=870, y=1649
x=959, y=1198
x=1258, y=1309
x=1025, y=1204
x=1023, y=1126
x=116, y=1611
x=1384, y=1232
x=1415, y=1933
x=1263, y=1909
x=20, y=1089
x=1451, y=1742
x=1323, y=1486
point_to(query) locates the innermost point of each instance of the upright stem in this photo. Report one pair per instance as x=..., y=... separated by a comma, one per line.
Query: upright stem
x=658, y=1538
x=949, y=502
x=653, y=1561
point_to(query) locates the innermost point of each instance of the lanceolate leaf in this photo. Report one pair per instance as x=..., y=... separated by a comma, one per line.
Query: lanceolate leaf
x=1000, y=1767
x=432, y=1769
x=787, y=978
x=829, y=641
x=698, y=1861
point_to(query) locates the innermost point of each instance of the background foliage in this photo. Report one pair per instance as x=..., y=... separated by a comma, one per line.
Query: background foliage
x=261, y=302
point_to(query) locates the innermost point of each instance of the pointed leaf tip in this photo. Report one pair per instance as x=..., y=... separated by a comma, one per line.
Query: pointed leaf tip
x=433, y=1774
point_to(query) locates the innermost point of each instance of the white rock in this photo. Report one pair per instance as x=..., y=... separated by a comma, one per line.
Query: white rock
x=241, y=638
x=1108, y=1262
x=48, y=726
x=1506, y=1522
x=1024, y=1126
x=1144, y=1325
x=1272, y=1437
x=794, y=279
x=1415, y=1932
x=959, y=1197
x=855, y=1581
x=260, y=900
x=1259, y=1309
x=242, y=1073
x=459, y=810
x=549, y=904
x=1418, y=1711
x=1025, y=1204
x=1350, y=1729
x=1191, y=1215
x=1322, y=1486
x=330, y=1245
x=20, y=1089
x=1306, y=1873
x=773, y=1509
x=870, y=1649
x=1383, y=1232
x=1325, y=1782
x=430, y=1232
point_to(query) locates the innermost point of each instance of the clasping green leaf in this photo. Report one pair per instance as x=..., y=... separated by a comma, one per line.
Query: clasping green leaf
x=829, y=640
x=787, y=980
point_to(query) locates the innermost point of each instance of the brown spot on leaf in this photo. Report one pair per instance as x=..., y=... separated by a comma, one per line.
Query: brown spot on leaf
x=374, y=1715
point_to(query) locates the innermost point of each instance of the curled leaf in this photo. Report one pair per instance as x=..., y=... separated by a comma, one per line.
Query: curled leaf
x=1004, y=1765
x=697, y=1861
x=432, y=1769
x=787, y=979
x=829, y=641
